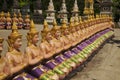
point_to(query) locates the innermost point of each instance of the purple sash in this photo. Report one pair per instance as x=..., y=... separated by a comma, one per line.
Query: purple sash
x=75, y=50
x=19, y=78
x=37, y=72
x=59, y=59
x=29, y=76
x=50, y=64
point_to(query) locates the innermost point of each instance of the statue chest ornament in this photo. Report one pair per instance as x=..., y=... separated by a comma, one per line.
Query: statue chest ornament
x=57, y=43
x=16, y=57
x=65, y=40
x=47, y=47
x=35, y=51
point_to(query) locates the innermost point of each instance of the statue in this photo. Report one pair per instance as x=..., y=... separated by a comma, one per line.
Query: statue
x=64, y=38
x=4, y=67
x=2, y=21
x=72, y=31
x=16, y=59
x=27, y=22
x=8, y=21
x=20, y=21
x=56, y=36
x=15, y=19
x=33, y=51
x=46, y=44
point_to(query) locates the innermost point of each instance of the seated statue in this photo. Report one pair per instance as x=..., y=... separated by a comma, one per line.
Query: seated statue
x=20, y=21
x=8, y=21
x=64, y=38
x=46, y=44
x=27, y=22
x=73, y=33
x=4, y=67
x=16, y=59
x=33, y=51
x=56, y=34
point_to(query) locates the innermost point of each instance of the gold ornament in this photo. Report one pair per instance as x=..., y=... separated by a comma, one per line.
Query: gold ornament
x=14, y=15
x=55, y=27
x=8, y=14
x=76, y=21
x=2, y=14
x=64, y=26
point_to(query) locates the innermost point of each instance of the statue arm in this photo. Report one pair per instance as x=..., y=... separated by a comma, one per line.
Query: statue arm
x=44, y=52
x=67, y=42
x=14, y=68
x=31, y=60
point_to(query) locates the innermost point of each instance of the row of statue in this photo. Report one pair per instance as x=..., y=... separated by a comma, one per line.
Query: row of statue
x=53, y=42
x=6, y=21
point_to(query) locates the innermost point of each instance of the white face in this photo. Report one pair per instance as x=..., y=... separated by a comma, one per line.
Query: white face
x=17, y=44
x=1, y=47
x=35, y=39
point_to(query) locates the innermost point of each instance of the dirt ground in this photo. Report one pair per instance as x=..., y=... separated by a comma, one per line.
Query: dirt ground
x=106, y=64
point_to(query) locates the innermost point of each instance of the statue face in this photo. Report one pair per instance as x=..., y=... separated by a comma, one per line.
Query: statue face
x=57, y=34
x=66, y=32
x=1, y=47
x=35, y=39
x=73, y=29
x=48, y=36
x=17, y=44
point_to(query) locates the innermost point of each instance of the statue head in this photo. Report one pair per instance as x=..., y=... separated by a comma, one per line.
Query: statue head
x=14, y=15
x=77, y=23
x=64, y=28
x=2, y=14
x=71, y=25
x=19, y=14
x=46, y=34
x=33, y=34
x=14, y=39
x=55, y=30
x=8, y=14
x=27, y=16
x=1, y=45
